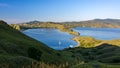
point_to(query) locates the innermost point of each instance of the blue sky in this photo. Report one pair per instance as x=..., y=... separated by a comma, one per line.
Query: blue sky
x=17, y=11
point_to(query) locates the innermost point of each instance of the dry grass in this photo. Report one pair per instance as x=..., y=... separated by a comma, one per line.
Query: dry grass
x=36, y=65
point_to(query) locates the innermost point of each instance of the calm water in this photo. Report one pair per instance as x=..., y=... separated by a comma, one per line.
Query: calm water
x=52, y=37
x=100, y=33
x=60, y=40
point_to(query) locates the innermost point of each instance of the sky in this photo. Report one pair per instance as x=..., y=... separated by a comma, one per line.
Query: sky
x=18, y=11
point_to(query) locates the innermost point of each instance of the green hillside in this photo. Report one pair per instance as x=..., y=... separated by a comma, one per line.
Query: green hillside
x=102, y=56
x=18, y=48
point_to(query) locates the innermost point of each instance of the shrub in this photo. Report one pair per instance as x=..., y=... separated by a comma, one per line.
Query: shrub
x=34, y=53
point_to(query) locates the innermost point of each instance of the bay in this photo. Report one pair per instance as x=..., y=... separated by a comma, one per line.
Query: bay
x=53, y=38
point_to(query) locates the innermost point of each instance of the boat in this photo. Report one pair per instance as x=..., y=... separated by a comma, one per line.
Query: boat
x=59, y=43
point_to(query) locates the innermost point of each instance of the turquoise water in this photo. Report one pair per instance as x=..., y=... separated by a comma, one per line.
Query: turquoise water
x=54, y=38
x=100, y=33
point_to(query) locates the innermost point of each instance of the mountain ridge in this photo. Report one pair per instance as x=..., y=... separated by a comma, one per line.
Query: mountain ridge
x=107, y=20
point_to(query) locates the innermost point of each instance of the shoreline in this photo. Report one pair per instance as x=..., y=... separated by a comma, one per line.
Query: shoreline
x=76, y=40
x=64, y=29
x=88, y=41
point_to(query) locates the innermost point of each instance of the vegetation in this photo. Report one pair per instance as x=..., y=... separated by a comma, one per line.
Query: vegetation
x=67, y=27
x=88, y=41
x=59, y=26
x=35, y=65
x=16, y=26
x=96, y=23
x=104, y=55
x=20, y=51
x=34, y=53
x=96, y=65
x=17, y=48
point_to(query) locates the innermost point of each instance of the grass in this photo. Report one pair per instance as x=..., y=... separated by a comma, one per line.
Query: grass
x=88, y=41
x=59, y=26
x=96, y=65
x=14, y=43
x=20, y=51
x=35, y=65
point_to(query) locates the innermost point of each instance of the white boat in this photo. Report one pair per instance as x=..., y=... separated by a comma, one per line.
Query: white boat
x=59, y=43
x=71, y=46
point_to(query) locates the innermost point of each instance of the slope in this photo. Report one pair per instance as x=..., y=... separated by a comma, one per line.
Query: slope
x=15, y=47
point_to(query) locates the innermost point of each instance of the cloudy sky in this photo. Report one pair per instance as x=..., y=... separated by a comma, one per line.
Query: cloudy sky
x=17, y=11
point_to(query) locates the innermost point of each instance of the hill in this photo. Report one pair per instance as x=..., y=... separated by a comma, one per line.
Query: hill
x=19, y=49
x=102, y=56
x=59, y=26
x=67, y=26
x=108, y=20
x=88, y=41
x=96, y=23
x=35, y=21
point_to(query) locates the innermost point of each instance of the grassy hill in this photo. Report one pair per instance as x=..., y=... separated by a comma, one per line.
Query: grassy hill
x=88, y=41
x=37, y=24
x=102, y=56
x=17, y=48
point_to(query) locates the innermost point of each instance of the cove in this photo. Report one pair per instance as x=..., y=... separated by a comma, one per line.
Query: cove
x=53, y=38
x=99, y=33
